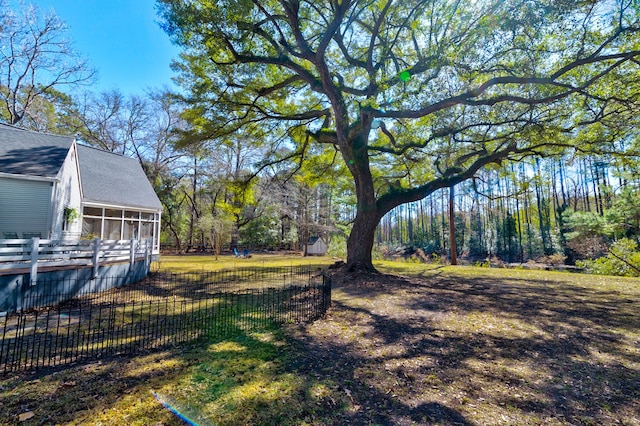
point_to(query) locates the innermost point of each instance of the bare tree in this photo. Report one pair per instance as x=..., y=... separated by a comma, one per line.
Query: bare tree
x=117, y=123
x=156, y=150
x=36, y=59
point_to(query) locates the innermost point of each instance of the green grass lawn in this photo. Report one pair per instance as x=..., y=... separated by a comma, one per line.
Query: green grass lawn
x=430, y=345
x=197, y=263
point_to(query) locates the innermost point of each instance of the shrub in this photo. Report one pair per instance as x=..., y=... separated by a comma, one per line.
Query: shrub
x=337, y=246
x=623, y=259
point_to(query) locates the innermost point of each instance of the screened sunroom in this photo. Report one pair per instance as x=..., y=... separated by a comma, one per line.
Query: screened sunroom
x=121, y=224
x=118, y=201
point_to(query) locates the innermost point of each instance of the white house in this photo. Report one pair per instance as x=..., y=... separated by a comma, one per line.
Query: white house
x=316, y=246
x=55, y=188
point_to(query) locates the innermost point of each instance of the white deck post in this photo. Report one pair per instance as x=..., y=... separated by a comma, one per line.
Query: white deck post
x=35, y=244
x=132, y=254
x=148, y=250
x=96, y=256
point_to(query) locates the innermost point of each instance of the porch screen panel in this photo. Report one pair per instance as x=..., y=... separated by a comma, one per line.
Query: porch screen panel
x=146, y=231
x=112, y=229
x=130, y=229
x=91, y=227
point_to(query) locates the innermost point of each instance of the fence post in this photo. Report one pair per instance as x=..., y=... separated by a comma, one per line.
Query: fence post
x=35, y=243
x=96, y=256
x=132, y=253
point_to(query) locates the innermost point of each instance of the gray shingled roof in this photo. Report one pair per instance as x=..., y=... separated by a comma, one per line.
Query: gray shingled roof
x=114, y=179
x=106, y=177
x=31, y=153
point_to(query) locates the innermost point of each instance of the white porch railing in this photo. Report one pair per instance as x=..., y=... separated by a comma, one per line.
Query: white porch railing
x=36, y=253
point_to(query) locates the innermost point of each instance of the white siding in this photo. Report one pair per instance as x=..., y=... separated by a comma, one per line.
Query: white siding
x=67, y=195
x=25, y=206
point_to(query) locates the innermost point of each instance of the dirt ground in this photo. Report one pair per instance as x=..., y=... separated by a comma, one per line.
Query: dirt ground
x=480, y=350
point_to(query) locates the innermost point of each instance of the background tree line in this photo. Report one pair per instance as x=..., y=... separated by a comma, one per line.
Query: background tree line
x=553, y=210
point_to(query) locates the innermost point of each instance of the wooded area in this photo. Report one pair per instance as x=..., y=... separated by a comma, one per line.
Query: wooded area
x=355, y=121
x=412, y=97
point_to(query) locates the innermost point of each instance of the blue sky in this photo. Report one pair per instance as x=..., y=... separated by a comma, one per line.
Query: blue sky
x=121, y=39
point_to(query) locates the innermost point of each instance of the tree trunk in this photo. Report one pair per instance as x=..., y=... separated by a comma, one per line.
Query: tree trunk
x=368, y=215
x=452, y=227
x=235, y=234
x=360, y=242
x=595, y=181
x=194, y=204
x=443, y=224
x=562, y=189
x=410, y=225
x=585, y=186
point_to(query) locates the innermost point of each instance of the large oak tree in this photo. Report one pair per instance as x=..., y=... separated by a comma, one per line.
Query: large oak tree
x=414, y=95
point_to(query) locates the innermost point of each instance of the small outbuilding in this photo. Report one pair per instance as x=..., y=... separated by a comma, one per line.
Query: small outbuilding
x=316, y=246
x=54, y=188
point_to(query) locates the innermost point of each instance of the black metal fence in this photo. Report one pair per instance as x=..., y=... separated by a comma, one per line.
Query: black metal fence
x=159, y=311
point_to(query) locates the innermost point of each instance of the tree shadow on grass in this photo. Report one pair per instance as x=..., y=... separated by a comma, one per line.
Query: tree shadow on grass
x=193, y=376
x=477, y=350
x=86, y=391
x=236, y=379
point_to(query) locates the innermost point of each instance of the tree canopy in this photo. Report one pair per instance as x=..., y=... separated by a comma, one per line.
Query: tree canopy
x=414, y=95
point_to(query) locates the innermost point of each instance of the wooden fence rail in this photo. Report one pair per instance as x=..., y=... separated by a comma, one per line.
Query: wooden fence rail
x=35, y=253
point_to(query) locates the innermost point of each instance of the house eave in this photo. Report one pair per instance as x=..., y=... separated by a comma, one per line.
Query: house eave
x=29, y=177
x=94, y=203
